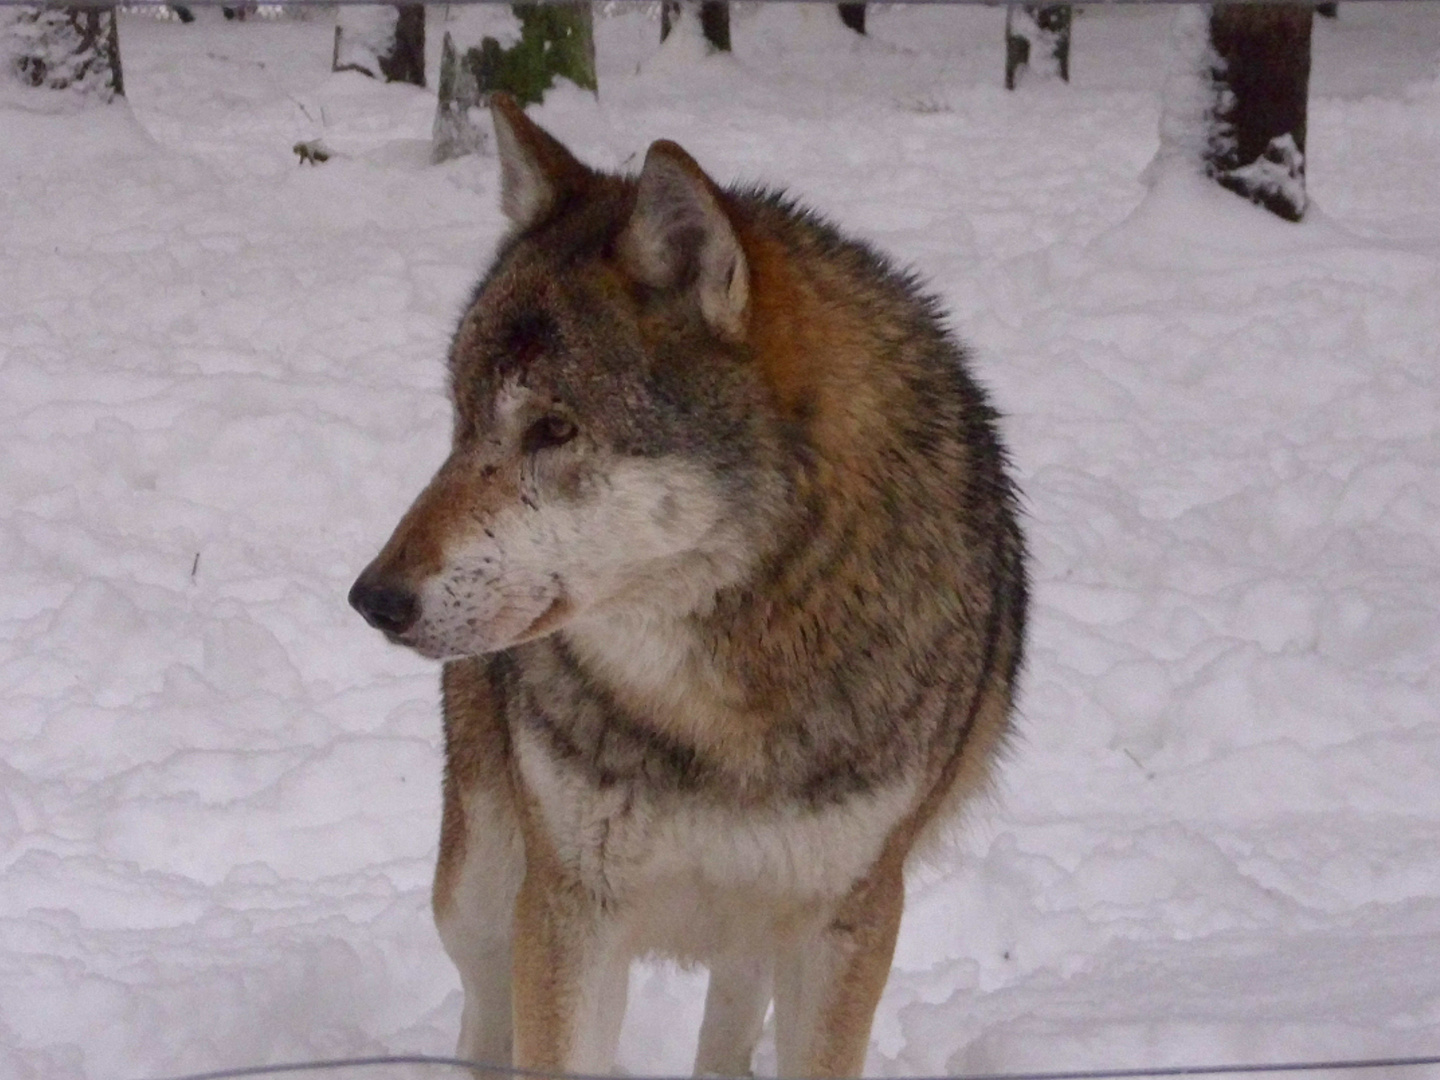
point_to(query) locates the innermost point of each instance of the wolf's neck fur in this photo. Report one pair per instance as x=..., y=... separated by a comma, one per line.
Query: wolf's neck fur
x=817, y=661
x=658, y=668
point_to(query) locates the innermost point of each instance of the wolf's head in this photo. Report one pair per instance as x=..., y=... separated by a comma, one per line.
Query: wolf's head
x=610, y=445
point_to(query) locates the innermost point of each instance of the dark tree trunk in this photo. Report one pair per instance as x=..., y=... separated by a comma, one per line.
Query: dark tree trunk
x=382, y=41
x=1261, y=79
x=68, y=48
x=557, y=40
x=853, y=16
x=407, y=63
x=714, y=21
x=1036, y=36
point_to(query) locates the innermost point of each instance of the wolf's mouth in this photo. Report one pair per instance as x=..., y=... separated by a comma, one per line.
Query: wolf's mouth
x=548, y=620
x=476, y=637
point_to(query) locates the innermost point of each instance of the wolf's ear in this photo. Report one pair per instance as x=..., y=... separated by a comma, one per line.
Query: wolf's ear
x=535, y=170
x=680, y=237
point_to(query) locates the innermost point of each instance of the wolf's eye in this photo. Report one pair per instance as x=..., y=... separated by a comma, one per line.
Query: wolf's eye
x=549, y=431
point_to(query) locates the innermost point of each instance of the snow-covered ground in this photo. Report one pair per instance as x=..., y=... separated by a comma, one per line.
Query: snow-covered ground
x=221, y=382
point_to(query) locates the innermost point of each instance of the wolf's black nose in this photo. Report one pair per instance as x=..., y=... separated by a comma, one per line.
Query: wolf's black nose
x=384, y=607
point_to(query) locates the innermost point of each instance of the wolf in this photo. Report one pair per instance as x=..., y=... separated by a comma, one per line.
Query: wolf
x=726, y=573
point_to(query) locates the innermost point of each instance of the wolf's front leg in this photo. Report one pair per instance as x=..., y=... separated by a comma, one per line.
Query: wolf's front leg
x=571, y=975
x=482, y=862
x=828, y=980
x=735, y=1005
x=482, y=858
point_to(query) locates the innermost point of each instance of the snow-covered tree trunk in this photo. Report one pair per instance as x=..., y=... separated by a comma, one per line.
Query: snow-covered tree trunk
x=557, y=40
x=381, y=40
x=457, y=130
x=714, y=16
x=1235, y=108
x=1037, y=38
x=853, y=16
x=74, y=48
x=1257, y=142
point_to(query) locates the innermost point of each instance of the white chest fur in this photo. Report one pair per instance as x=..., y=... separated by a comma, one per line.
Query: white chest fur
x=694, y=874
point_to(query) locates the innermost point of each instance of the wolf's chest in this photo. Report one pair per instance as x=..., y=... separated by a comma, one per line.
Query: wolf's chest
x=627, y=837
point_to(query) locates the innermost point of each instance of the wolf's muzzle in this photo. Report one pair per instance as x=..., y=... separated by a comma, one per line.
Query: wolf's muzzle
x=385, y=607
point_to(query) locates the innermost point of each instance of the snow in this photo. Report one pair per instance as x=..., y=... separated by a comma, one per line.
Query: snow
x=221, y=382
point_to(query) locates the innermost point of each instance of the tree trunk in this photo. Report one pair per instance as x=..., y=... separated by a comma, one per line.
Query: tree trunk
x=1037, y=37
x=381, y=40
x=1260, y=75
x=67, y=48
x=454, y=133
x=853, y=16
x=714, y=20
x=407, y=63
x=557, y=40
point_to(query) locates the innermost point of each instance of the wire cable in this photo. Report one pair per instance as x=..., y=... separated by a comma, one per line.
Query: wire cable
x=1083, y=1074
